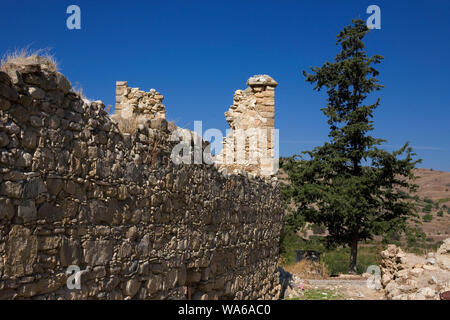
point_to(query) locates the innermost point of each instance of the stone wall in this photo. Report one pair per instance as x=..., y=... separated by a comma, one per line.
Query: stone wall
x=74, y=190
x=407, y=276
x=133, y=102
x=250, y=144
x=134, y=108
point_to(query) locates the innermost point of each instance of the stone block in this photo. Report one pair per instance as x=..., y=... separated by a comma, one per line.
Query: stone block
x=36, y=92
x=97, y=252
x=6, y=209
x=27, y=210
x=62, y=83
x=8, y=92
x=21, y=252
x=4, y=140
x=132, y=287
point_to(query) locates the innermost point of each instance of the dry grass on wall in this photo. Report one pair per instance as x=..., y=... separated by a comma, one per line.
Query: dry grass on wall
x=126, y=125
x=25, y=55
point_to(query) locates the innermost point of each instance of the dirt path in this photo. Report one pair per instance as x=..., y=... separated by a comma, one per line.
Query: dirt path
x=307, y=281
x=346, y=289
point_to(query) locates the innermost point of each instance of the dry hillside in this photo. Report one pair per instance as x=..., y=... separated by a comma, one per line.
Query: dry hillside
x=435, y=186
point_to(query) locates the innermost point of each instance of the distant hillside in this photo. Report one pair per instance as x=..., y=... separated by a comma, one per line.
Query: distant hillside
x=433, y=198
x=434, y=185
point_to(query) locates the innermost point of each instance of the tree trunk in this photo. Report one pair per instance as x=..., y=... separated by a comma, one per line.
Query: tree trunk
x=353, y=254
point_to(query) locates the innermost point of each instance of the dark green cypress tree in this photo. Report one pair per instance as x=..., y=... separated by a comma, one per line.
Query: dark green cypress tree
x=349, y=184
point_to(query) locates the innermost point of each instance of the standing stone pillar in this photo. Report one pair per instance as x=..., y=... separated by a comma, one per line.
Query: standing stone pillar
x=250, y=144
x=121, y=91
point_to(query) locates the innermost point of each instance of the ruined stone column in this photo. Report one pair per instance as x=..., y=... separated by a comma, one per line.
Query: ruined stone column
x=121, y=91
x=249, y=146
x=135, y=103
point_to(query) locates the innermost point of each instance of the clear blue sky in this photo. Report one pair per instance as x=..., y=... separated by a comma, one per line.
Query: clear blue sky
x=197, y=53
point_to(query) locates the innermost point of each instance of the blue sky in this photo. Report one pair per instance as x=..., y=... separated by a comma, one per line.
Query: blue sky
x=197, y=53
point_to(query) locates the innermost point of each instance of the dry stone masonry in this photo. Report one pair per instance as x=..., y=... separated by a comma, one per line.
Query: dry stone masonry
x=74, y=190
x=250, y=144
x=410, y=277
x=133, y=102
x=135, y=107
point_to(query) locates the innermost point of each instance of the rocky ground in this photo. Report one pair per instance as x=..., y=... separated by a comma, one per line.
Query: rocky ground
x=403, y=276
x=345, y=287
x=409, y=277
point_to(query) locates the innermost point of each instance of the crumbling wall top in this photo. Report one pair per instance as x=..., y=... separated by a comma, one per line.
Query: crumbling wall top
x=250, y=144
x=133, y=101
x=261, y=80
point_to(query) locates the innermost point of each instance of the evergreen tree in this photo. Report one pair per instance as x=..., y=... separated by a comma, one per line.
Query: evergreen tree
x=349, y=184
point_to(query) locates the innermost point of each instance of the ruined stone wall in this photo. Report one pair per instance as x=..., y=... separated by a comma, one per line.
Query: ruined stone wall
x=133, y=102
x=250, y=144
x=406, y=276
x=76, y=191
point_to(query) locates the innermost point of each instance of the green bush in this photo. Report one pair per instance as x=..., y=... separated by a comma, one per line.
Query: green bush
x=427, y=208
x=289, y=243
x=415, y=237
x=405, y=194
x=318, y=229
x=427, y=218
x=440, y=213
